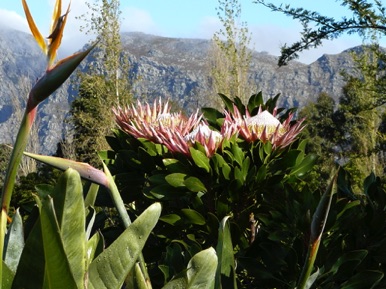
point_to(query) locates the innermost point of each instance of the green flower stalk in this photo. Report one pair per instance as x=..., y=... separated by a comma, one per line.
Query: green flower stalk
x=53, y=78
x=318, y=223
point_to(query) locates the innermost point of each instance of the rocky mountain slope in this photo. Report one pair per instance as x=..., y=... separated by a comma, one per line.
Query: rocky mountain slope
x=163, y=67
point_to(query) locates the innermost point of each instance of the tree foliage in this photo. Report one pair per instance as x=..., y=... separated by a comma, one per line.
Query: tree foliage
x=368, y=20
x=351, y=132
x=105, y=82
x=230, y=55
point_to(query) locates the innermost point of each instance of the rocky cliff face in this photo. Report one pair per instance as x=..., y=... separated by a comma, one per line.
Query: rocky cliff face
x=163, y=67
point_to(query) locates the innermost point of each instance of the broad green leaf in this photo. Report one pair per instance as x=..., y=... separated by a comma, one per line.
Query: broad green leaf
x=212, y=115
x=193, y=217
x=238, y=154
x=171, y=219
x=71, y=216
x=201, y=270
x=289, y=160
x=200, y=159
x=302, y=145
x=347, y=207
x=267, y=147
x=91, y=195
x=228, y=103
x=226, y=170
x=7, y=277
x=92, y=247
x=225, y=275
x=353, y=257
x=176, y=179
x=364, y=280
x=164, y=192
x=194, y=185
x=14, y=242
x=305, y=166
x=58, y=273
x=255, y=101
x=175, y=166
x=111, y=267
x=30, y=271
x=261, y=173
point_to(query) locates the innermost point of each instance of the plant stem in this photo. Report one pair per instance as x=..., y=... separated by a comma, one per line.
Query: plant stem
x=13, y=165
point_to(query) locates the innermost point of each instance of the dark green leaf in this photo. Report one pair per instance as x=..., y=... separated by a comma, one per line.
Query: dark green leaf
x=194, y=185
x=228, y=103
x=57, y=273
x=7, y=277
x=255, y=101
x=171, y=219
x=192, y=217
x=70, y=213
x=30, y=272
x=305, y=166
x=176, y=179
x=225, y=275
x=364, y=280
x=200, y=159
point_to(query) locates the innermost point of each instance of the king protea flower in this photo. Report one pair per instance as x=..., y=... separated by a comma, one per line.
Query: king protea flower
x=265, y=127
x=209, y=139
x=154, y=122
x=157, y=124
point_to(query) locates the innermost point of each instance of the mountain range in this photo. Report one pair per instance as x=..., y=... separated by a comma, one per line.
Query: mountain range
x=173, y=68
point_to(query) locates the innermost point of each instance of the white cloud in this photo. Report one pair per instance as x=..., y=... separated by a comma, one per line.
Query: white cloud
x=13, y=20
x=134, y=19
x=73, y=38
x=271, y=38
x=207, y=27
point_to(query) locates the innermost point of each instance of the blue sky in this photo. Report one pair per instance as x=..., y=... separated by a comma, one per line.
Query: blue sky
x=186, y=18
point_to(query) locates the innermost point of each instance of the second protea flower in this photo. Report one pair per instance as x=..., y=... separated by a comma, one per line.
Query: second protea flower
x=209, y=139
x=265, y=127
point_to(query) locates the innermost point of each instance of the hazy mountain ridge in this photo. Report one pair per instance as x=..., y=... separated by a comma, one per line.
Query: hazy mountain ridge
x=164, y=67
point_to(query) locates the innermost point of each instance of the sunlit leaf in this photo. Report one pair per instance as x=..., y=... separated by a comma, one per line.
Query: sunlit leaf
x=120, y=257
x=14, y=242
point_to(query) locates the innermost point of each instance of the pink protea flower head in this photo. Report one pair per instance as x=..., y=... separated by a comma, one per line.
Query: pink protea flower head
x=209, y=139
x=264, y=127
x=154, y=122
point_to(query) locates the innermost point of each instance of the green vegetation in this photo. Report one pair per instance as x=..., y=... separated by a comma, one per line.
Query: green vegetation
x=104, y=84
x=230, y=54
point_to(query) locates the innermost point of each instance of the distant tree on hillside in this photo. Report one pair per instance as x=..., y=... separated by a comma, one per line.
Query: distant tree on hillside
x=105, y=83
x=229, y=54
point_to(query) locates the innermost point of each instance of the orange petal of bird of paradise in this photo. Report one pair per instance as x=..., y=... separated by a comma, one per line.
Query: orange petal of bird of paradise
x=57, y=27
x=35, y=31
